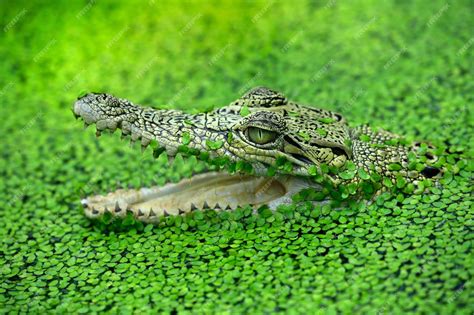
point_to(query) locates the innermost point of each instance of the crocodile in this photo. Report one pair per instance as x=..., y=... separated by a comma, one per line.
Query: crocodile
x=259, y=130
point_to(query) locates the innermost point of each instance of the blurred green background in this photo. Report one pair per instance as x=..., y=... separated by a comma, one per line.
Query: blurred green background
x=403, y=65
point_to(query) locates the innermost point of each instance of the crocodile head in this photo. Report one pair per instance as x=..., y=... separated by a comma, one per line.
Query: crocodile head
x=260, y=128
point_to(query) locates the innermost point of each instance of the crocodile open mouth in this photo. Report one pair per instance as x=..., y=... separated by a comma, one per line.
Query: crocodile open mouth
x=213, y=190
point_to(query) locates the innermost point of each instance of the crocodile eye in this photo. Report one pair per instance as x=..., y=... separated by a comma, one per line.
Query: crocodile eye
x=261, y=136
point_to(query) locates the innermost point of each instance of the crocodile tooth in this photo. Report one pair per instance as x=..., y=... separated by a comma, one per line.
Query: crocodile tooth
x=101, y=125
x=94, y=211
x=166, y=214
x=126, y=126
x=152, y=213
x=171, y=151
x=181, y=211
x=145, y=141
x=193, y=207
x=205, y=205
x=140, y=213
x=135, y=136
x=117, y=207
x=217, y=206
x=125, y=131
x=228, y=207
x=112, y=125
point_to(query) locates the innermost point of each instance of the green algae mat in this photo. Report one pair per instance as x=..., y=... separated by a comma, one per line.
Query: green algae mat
x=405, y=66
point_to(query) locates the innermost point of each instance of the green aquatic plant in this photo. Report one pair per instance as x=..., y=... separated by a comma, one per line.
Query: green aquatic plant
x=400, y=66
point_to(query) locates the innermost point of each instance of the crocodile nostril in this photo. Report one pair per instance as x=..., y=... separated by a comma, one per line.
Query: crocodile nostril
x=430, y=156
x=430, y=171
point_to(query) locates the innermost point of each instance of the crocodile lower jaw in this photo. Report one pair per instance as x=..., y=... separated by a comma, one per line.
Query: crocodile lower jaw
x=214, y=190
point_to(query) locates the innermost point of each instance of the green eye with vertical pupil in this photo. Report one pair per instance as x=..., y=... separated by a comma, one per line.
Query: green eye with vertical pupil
x=261, y=136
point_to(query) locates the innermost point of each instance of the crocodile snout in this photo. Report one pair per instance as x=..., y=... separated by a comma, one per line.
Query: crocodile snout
x=84, y=108
x=93, y=107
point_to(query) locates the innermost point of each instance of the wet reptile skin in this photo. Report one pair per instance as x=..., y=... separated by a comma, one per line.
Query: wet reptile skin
x=259, y=128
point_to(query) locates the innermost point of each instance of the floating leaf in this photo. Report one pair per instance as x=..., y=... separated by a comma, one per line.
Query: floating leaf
x=363, y=174
x=321, y=132
x=326, y=120
x=394, y=167
x=214, y=145
x=304, y=135
x=347, y=174
x=186, y=138
x=244, y=111
x=189, y=123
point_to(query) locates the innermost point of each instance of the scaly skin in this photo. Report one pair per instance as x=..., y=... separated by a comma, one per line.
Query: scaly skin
x=260, y=128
